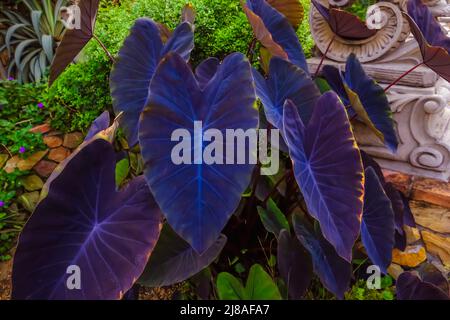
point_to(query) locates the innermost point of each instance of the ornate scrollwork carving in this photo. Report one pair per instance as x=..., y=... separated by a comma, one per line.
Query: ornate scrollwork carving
x=427, y=157
x=394, y=30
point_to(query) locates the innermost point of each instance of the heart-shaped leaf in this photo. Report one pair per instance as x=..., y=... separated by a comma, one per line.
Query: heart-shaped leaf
x=85, y=224
x=138, y=58
x=328, y=169
x=99, y=124
x=259, y=286
x=344, y=24
x=334, y=272
x=434, y=44
x=285, y=81
x=366, y=97
x=188, y=14
x=75, y=39
x=274, y=31
x=294, y=264
x=373, y=100
x=378, y=226
x=174, y=260
x=272, y=218
x=411, y=287
x=291, y=9
x=429, y=273
x=197, y=196
x=206, y=71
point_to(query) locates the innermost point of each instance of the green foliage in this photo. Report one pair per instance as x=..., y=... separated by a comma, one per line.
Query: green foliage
x=122, y=171
x=19, y=111
x=359, y=291
x=259, y=286
x=304, y=33
x=359, y=8
x=81, y=93
x=272, y=218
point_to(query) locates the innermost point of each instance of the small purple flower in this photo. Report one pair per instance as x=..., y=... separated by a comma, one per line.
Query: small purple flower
x=1, y=203
x=10, y=78
x=22, y=149
x=40, y=105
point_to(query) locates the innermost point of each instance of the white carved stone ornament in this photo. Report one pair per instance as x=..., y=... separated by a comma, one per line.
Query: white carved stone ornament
x=385, y=16
x=420, y=104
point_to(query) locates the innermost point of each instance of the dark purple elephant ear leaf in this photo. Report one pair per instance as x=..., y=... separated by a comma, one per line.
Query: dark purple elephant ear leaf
x=433, y=42
x=136, y=64
x=408, y=217
x=291, y=9
x=429, y=273
x=368, y=161
x=328, y=169
x=197, y=199
x=188, y=13
x=294, y=264
x=411, y=287
x=333, y=271
x=334, y=79
x=279, y=29
x=263, y=35
x=344, y=24
x=285, y=81
x=378, y=226
x=430, y=28
x=174, y=260
x=99, y=124
x=397, y=205
x=371, y=102
x=84, y=224
x=206, y=71
x=75, y=39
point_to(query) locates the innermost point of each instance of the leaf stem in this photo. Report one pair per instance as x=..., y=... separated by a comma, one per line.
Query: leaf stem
x=323, y=57
x=402, y=76
x=250, y=49
x=274, y=189
x=104, y=48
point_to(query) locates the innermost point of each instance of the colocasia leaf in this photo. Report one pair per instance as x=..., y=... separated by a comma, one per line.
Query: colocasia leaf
x=294, y=264
x=197, y=196
x=86, y=240
x=411, y=287
x=138, y=58
x=328, y=169
x=285, y=81
x=343, y=23
x=75, y=39
x=366, y=97
x=334, y=272
x=429, y=273
x=206, y=71
x=275, y=33
x=434, y=44
x=174, y=260
x=259, y=286
x=272, y=218
x=378, y=226
x=99, y=124
x=291, y=9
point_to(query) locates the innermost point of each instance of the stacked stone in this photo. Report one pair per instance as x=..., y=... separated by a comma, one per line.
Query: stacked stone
x=41, y=163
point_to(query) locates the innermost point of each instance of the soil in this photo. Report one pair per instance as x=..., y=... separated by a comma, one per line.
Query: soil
x=165, y=293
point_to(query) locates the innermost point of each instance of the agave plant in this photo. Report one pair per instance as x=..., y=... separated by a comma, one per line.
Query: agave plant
x=31, y=41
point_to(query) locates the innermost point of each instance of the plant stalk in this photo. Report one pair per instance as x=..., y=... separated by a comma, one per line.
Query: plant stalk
x=323, y=57
x=402, y=76
x=104, y=48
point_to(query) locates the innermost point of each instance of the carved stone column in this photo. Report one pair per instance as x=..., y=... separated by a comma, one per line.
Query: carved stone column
x=420, y=102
